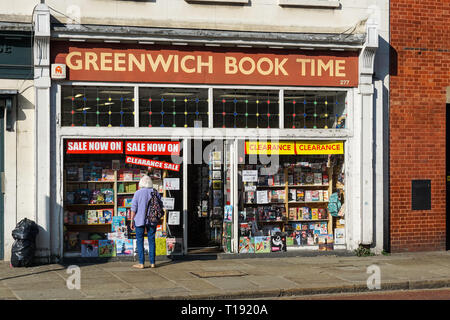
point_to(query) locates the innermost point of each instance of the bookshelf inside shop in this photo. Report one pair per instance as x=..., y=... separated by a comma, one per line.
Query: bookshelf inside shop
x=292, y=200
x=99, y=204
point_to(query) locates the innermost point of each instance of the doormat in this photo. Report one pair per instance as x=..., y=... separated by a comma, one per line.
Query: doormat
x=214, y=274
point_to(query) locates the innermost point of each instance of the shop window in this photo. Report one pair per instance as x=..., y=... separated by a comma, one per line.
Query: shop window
x=97, y=106
x=297, y=199
x=314, y=110
x=173, y=107
x=246, y=108
x=99, y=181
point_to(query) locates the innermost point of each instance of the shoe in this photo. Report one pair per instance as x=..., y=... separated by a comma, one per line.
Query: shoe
x=138, y=266
x=152, y=265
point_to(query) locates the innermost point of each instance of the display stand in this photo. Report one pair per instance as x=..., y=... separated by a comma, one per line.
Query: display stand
x=164, y=226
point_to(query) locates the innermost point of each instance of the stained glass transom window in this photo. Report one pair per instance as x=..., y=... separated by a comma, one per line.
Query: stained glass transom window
x=236, y=108
x=173, y=107
x=314, y=110
x=97, y=106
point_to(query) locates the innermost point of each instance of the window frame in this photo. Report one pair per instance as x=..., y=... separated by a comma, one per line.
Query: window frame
x=282, y=130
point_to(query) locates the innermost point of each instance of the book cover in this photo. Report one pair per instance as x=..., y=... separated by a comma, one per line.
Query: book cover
x=84, y=196
x=124, y=247
x=117, y=235
x=106, y=248
x=323, y=213
x=108, y=193
x=300, y=195
x=318, y=178
x=297, y=238
x=107, y=175
x=245, y=245
x=325, y=179
x=217, y=184
x=306, y=213
x=309, y=178
x=289, y=241
x=262, y=244
x=325, y=196
x=118, y=224
x=339, y=236
x=91, y=217
x=174, y=245
x=321, y=195
x=127, y=202
x=136, y=174
x=278, y=243
x=308, y=196
x=292, y=196
x=315, y=195
x=281, y=195
x=160, y=247
x=293, y=213
x=79, y=219
x=89, y=248
x=121, y=212
x=297, y=226
x=314, y=213
x=127, y=175
x=108, y=214
x=73, y=241
x=72, y=174
x=130, y=187
x=323, y=228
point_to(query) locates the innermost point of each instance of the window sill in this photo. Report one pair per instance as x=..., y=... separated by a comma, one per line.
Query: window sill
x=332, y=4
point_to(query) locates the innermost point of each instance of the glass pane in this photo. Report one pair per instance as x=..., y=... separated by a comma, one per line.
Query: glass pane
x=97, y=106
x=246, y=108
x=173, y=107
x=314, y=110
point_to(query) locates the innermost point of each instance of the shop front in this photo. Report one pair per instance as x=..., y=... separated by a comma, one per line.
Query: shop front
x=250, y=149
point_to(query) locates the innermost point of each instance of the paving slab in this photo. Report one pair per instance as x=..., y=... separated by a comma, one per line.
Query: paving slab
x=261, y=277
x=232, y=283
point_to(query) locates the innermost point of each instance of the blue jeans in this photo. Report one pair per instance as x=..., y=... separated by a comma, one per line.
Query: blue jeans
x=151, y=231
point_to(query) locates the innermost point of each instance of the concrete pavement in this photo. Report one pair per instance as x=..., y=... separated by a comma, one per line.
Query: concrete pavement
x=228, y=277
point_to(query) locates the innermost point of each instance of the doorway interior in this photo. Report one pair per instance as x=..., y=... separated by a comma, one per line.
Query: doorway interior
x=205, y=196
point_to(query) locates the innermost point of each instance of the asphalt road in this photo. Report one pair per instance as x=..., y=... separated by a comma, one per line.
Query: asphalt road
x=427, y=294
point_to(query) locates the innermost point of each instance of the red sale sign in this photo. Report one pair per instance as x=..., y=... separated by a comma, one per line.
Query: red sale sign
x=152, y=163
x=152, y=147
x=94, y=146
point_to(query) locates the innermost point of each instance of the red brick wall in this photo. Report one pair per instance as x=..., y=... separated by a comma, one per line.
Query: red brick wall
x=420, y=73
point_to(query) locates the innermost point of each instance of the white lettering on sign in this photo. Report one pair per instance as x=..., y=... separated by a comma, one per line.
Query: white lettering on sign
x=94, y=146
x=153, y=147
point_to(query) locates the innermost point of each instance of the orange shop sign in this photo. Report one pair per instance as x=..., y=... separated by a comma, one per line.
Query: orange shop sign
x=166, y=64
x=294, y=147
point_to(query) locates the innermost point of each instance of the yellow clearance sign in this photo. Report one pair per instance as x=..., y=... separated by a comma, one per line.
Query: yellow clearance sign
x=319, y=147
x=294, y=147
x=257, y=147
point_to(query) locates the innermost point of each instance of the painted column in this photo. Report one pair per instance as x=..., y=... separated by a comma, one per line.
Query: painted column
x=366, y=91
x=41, y=22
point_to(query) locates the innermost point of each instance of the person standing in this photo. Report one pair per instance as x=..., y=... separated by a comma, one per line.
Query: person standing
x=139, y=222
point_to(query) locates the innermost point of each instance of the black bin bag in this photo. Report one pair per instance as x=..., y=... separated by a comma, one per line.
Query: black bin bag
x=24, y=246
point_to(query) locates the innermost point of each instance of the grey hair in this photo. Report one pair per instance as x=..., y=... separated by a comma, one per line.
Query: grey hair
x=145, y=182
